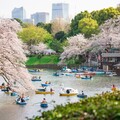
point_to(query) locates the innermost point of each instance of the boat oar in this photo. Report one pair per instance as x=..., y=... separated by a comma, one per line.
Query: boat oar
x=47, y=102
x=36, y=103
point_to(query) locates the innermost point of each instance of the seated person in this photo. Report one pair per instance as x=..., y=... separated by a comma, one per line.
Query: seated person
x=8, y=87
x=3, y=85
x=21, y=98
x=44, y=100
x=114, y=88
x=51, y=90
x=82, y=93
x=46, y=82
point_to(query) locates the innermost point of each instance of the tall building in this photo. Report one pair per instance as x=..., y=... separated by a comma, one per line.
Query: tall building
x=60, y=10
x=19, y=13
x=31, y=21
x=40, y=17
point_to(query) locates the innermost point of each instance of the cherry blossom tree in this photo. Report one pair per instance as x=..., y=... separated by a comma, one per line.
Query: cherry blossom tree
x=77, y=46
x=12, y=59
x=110, y=34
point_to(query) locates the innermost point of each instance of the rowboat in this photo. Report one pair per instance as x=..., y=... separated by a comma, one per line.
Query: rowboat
x=21, y=103
x=86, y=78
x=82, y=96
x=45, y=85
x=44, y=105
x=44, y=92
x=13, y=93
x=36, y=79
x=68, y=92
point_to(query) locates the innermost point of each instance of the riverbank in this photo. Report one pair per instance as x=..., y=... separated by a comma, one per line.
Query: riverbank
x=41, y=60
x=47, y=62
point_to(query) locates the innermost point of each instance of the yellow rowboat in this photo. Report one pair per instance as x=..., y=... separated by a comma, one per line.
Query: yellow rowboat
x=68, y=94
x=8, y=92
x=44, y=92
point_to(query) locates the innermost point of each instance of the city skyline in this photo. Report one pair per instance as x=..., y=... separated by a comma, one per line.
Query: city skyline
x=76, y=6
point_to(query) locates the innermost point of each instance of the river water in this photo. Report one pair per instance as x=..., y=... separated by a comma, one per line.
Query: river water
x=10, y=111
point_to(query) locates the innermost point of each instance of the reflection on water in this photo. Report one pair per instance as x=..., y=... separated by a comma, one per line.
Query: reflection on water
x=10, y=111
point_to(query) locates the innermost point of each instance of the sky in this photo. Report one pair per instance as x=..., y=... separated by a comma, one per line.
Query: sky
x=32, y=6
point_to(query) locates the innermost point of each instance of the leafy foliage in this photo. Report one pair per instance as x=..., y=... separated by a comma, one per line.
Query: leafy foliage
x=102, y=15
x=61, y=36
x=74, y=24
x=56, y=46
x=34, y=35
x=45, y=26
x=88, y=26
x=105, y=106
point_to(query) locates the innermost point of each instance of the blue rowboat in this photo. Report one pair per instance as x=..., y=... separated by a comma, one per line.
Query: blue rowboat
x=42, y=89
x=99, y=72
x=44, y=85
x=82, y=96
x=13, y=93
x=56, y=74
x=36, y=80
x=5, y=90
x=44, y=105
x=88, y=78
x=26, y=98
x=20, y=103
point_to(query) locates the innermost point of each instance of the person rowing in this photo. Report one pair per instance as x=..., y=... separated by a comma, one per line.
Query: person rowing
x=44, y=100
x=21, y=98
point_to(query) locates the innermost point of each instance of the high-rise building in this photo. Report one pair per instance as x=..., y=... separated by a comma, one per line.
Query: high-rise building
x=40, y=17
x=60, y=10
x=31, y=21
x=19, y=13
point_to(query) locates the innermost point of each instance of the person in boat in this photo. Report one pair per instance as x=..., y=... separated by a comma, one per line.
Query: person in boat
x=90, y=76
x=39, y=77
x=51, y=90
x=86, y=76
x=3, y=85
x=114, y=88
x=82, y=93
x=67, y=91
x=8, y=87
x=46, y=82
x=21, y=98
x=44, y=100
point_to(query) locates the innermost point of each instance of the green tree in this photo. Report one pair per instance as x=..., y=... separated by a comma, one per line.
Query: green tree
x=102, y=15
x=61, y=36
x=56, y=46
x=45, y=26
x=35, y=35
x=88, y=26
x=20, y=21
x=74, y=24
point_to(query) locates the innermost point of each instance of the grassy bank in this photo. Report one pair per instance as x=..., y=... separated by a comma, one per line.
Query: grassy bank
x=101, y=107
x=48, y=59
